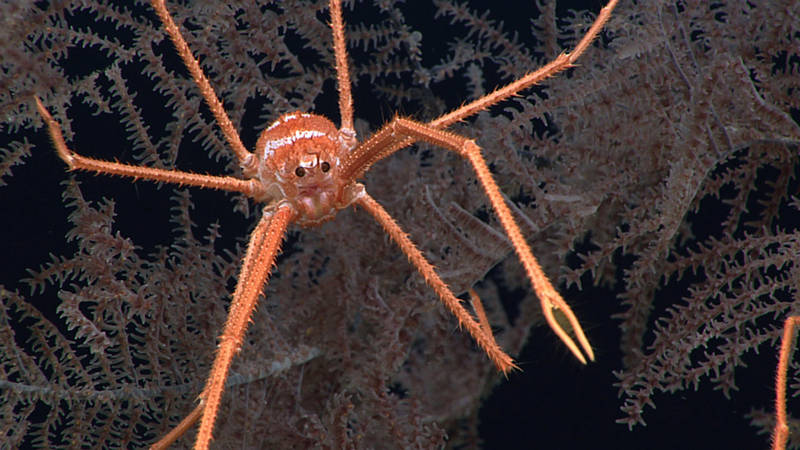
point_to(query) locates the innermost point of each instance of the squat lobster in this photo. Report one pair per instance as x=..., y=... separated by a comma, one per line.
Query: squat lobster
x=305, y=170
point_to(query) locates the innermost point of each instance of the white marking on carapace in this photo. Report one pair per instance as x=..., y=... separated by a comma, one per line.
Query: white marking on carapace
x=271, y=146
x=286, y=118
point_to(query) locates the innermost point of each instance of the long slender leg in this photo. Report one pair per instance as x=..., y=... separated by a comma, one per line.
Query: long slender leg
x=187, y=423
x=550, y=298
x=202, y=82
x=477, y=305
x=342, y=69
x=258, y=261
x=562, y=61
x=781, y=433
x=485, y=340
x=78, y=162
x=367, y=154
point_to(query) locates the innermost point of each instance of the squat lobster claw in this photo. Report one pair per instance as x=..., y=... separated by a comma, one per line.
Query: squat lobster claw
x=305, y=170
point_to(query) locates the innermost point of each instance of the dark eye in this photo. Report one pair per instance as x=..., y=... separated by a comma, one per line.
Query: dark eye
x=325, y=166
x=300, y=171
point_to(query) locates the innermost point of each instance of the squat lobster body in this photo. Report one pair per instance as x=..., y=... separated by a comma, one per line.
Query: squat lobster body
x=298, y=160
x=305, y=170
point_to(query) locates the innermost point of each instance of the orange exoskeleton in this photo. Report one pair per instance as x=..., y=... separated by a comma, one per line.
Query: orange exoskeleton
x=305, y=169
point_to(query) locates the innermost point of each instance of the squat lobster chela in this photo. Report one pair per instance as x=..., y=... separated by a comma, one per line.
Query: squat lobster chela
x=305, y=170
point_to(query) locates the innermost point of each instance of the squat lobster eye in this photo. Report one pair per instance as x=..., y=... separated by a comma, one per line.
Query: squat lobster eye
x=300, y=171
x=325, y=166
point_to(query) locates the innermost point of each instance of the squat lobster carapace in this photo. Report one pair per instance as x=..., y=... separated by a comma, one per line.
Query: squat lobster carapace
x=305, y=170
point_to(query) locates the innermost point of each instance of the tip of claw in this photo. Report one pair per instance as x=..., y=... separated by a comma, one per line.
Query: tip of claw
x=566, y=326
x=55, y=134
x=587, y=349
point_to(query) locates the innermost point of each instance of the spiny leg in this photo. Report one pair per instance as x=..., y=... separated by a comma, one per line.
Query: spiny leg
x=244, y=157
x=781, y=433
x=561, y=62
x=260, y=257
x=482, y=335
x=548, y=296
x=387, y=141
x=78, y=162
x=480, y=313
x=360, y=160
x=258, y=262
x=342, y=70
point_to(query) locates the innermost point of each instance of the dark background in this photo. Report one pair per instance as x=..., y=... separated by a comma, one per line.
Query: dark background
x=554, y=402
